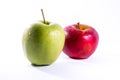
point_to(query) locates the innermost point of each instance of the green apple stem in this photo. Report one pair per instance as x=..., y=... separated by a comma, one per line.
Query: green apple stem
x=43, y=15
x=78, y=25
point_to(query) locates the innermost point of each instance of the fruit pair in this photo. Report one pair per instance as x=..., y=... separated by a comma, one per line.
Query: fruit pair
x=44, y=41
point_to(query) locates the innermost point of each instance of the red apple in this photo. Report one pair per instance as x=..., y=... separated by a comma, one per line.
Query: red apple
x=81, y=41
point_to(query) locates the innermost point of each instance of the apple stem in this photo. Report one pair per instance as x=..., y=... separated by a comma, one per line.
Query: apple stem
x=43, y=15
x=78, y=25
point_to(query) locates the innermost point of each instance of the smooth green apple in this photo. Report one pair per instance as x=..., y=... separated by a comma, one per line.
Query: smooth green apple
x=43, y=42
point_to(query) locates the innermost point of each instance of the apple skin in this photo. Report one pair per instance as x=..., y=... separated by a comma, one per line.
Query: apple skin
x=81, y=41
x=43, y=43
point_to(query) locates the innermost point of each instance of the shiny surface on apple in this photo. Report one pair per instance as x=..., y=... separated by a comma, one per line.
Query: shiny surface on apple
x=80, y=43
x=43, y=43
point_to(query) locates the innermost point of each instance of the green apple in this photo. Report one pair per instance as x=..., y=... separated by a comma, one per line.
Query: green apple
x=43, y=42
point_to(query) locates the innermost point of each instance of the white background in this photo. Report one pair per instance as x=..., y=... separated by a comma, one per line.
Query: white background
x=103, y=15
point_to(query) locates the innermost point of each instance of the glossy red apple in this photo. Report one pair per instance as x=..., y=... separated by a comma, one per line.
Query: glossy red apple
x=81, y=41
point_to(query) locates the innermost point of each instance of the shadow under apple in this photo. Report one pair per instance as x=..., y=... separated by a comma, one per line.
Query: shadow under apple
x=68, y=70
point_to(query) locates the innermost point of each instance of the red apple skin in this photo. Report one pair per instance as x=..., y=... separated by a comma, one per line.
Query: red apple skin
x=80, y=43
